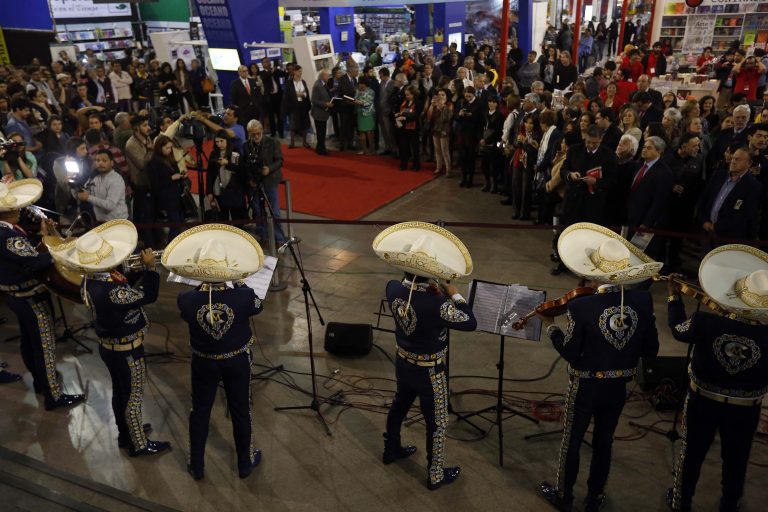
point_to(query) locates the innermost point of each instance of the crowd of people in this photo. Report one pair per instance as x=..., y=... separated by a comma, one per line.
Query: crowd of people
x=558, y=145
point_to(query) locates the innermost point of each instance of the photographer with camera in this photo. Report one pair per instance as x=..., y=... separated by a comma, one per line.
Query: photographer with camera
x=17, y=123
x=746, y=73
x=229, y=122
x=225, y=186
x=261, y=164
x=106, y=190
x=19, y=162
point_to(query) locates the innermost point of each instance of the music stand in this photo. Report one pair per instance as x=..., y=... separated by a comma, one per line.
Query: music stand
x=496, y=306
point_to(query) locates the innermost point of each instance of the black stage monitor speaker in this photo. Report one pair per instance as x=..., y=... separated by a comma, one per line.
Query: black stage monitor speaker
x=348, y=339
x=666, y=377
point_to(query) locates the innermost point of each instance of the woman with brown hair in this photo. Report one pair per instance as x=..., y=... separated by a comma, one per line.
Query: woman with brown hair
x=296, y=105
x=184, y=86
x=407, y=121
x=165, y=179
x=629, y=122
x=440, y=114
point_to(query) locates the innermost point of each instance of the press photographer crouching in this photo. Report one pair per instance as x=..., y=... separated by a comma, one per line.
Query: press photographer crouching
x=261, y=163
x=225, y=184
x=106, y=190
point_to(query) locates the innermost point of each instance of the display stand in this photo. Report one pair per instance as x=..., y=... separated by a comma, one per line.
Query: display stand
x=496, y=306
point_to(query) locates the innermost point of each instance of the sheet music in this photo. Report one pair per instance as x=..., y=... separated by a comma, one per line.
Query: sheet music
x=259, y=281
x=497, y=307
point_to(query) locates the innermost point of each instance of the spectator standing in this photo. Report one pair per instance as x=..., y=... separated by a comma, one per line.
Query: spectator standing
x=121, y=81
x=384, y=111
x=346, y=108
x=17, y=123
x=528, y=73
x=746, y=74
x=649, y=194
x=655, y=62
x=730, y=204
x=565, y=73
x=261, y=164
x=545, y=156
x=469, y=118
x=123, y=130
x=523, y=164
x=138, y=152
x=165, y=180
x=100, y=87
x=490, y=147
x=54, y=138
x=687, y=171
x=366, y=116
x=547, y=63
x=440, y=115
x=407, y=124
x=105, y=191
x=225, y=183
x=97, y=141
x=630, y=123
x=585, y=49
x=196, y=76
x=230, y=123
x=296, y=104
x=321, y=107
x=244, y=93
x=273, y=80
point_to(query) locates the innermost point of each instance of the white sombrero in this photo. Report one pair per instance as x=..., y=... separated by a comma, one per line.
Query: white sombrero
x=20, y=193
x=736, y=277
x=100, y=249
x=597, y=253
x=214, y=253
x=424, y=250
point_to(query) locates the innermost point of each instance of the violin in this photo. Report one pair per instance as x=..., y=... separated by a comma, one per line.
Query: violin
x=693, y=292
x=556, y=307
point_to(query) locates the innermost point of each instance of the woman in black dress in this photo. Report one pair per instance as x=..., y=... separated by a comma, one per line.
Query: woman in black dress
x=166, y=81
x=225, y=187
x=166, y=179
x=296, y=104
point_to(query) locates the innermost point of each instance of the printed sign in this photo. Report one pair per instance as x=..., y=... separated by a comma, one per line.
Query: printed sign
x=63, y=9
x=698, y=33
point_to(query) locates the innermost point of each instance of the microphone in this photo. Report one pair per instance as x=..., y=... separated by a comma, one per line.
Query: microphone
x=291, y=241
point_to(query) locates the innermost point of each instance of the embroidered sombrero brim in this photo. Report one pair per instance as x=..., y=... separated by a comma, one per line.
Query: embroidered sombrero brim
x=244, y=254
x=23, y=192
x=119, y=233
x=722, y=267
x=451, y=258
x=577, y=243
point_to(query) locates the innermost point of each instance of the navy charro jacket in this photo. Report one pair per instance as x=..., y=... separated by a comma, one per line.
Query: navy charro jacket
x=598, y=344
x=219, y=322
x=730, y=357
x=20, y=263
x=118, y=305
x=423, y=328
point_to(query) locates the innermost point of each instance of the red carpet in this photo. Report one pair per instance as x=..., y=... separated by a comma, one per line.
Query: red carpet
x=342, y=186
x=347, y=186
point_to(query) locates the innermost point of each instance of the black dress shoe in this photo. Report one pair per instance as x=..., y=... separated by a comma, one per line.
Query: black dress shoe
x=449, y=475
x=554, y=257
x=486, y=188
x=245, y=473
x=64, y=401
x=550, y=493
x=6, y=377
x=125, y=442
x=559, y=269
x=594, y=503
x=153, y=447
x=197, y=474
x=507, y=202
x=397, y=453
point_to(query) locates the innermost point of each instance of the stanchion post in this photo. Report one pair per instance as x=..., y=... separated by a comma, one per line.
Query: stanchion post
x=288, y=207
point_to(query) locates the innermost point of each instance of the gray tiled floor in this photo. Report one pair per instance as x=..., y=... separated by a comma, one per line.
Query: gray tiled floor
x=303, y=469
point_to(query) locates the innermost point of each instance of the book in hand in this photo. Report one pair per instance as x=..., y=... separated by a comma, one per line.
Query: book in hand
x=596, y=173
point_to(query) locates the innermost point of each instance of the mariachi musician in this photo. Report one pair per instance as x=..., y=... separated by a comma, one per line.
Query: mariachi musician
x=20, y=269
x=423, y=314
x=117, y=302
x=606, y=335
x=728, y=370
x=220, y=331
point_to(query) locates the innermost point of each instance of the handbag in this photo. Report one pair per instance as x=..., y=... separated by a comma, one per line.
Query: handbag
x=208, y=85
x=187, y=201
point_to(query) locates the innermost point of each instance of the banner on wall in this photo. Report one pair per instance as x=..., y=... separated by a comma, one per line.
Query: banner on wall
x=484, y=19
x=698, y=32
x=69, y=9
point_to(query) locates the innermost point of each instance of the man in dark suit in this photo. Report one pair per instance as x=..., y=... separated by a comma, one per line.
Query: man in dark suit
x=686, y=164
x=321, y=106
x=469, y=118
x=548, y=148
x=245, y=93
x=606, y=121
x=346, y=109
x=384, y=111
x=736, y=135
x=585, y=196
x=649, y=194
x=649, y=113
x=273, y=80
x=644, y=85
x=730, y=204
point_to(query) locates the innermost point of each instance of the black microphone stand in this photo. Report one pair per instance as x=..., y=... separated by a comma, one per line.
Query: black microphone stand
x=306, y=290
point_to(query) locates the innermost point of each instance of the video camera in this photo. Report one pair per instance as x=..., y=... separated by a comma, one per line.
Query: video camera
x=9, y=148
